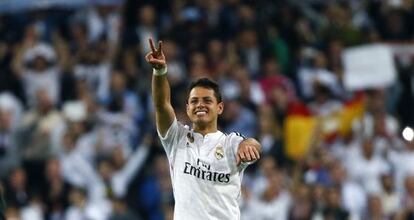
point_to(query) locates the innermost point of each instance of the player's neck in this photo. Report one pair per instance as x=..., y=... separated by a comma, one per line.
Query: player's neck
x=205, y=129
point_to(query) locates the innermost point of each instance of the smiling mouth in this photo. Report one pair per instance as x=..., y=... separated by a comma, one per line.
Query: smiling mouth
x=201, y=113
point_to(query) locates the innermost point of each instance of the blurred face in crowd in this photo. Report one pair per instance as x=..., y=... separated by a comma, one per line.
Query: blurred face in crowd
x=170, y=50
x=117, y=158
x=203, y=107
x=5, y=119
x=387, y=182
x=44, y=102
x=233, y=109
x=338, y=173
x=318, y=194
x=53, y=170
x=275, y=185
x=248, y=39
x=18, y=179
x=12, y=213
x=267, y=165
x=76, y=197
x=375, y=101
x=334, y=197
x=302, y=207
x=147, y=15
x=215, y=49
x=40, y=63
x=68, y=142
x=375, y=206
x=105, y=169
x=271, y=68
x=409, y=185
x=368, y=148
x=118, y=83
x=279, y=98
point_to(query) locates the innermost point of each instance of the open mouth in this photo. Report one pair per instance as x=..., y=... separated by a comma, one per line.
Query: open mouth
x=200, y=112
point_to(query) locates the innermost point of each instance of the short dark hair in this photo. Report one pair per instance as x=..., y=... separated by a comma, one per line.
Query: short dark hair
x=208, y=84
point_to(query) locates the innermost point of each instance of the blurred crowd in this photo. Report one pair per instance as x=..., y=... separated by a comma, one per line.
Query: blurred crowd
x=77, y=134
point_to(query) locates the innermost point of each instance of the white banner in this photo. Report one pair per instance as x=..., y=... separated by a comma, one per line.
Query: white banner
x=370, y=66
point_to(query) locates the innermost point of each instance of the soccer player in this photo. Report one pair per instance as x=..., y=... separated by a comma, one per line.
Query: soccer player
x=206, y=165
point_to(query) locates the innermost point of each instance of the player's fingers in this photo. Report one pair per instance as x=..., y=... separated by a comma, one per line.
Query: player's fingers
x=159, y=46
x=247, y=154
x=151, y=43
x=252, y=154
x=256, y=152
x=242, y=156
x=157, y=62
x=148, y=56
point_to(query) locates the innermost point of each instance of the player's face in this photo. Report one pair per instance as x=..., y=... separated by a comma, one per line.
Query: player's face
x=202, y=106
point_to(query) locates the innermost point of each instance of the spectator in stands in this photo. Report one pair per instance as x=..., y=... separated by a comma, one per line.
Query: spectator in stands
x=390, y=199
x=10, y=110
x=273, y=202
x=55, y=191
x=17, y=189
x=39, y=69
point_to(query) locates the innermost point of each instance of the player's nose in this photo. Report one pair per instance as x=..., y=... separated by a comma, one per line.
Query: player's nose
x=200, y=105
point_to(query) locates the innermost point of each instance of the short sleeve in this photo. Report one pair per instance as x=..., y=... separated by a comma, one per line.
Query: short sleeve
x=171, y=139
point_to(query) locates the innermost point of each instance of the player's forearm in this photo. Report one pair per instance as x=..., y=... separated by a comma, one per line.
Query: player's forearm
x=161, y=92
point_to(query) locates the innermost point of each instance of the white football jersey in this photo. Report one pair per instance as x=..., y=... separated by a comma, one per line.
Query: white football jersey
x=205, y=178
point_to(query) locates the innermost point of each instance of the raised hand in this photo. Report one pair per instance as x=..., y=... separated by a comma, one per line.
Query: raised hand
x=156, y=57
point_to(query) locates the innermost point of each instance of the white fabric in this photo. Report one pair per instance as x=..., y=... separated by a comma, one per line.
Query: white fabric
x=354, y=198
x=403, y=164
x=368, y=172
x=206, y=186
x=121, y=179
x=32, y=212
x=278, y=208
x=48, y=80
x=41, y=49
x=97, y=77
x=91, y=211
x=308, y=76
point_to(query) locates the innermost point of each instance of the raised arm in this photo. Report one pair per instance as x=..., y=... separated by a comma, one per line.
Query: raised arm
x=164, y=112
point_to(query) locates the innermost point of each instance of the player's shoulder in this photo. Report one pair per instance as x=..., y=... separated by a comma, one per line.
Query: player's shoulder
x=236, y=135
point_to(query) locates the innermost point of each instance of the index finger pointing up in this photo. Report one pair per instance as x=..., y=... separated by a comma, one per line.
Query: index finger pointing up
x=151, y=43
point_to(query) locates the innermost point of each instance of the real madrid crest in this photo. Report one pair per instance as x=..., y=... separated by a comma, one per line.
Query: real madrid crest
x=190, y=137
x=219, y=153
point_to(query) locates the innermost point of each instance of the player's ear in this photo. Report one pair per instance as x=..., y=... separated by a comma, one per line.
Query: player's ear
x=187, y=107
x=220, y=107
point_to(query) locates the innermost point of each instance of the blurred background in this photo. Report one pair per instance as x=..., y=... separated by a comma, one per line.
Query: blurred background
x=327, y=87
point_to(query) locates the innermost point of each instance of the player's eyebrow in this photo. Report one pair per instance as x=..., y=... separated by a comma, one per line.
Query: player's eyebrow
x=205, y=97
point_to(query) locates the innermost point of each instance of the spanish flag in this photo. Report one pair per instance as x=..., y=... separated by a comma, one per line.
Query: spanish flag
x=302, y=129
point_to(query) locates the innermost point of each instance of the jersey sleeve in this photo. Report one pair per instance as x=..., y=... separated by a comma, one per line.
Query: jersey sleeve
x=171, y=139
x=235, y=139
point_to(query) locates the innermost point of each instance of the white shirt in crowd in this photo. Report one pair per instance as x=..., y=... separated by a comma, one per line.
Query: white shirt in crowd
x=277, y=208
x=368, y=172
x=205, y=178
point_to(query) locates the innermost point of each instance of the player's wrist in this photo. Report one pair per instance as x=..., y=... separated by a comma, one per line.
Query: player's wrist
x=159, y=72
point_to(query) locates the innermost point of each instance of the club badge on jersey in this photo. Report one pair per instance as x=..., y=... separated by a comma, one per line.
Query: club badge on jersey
x=190, y=137
x=219, y=152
